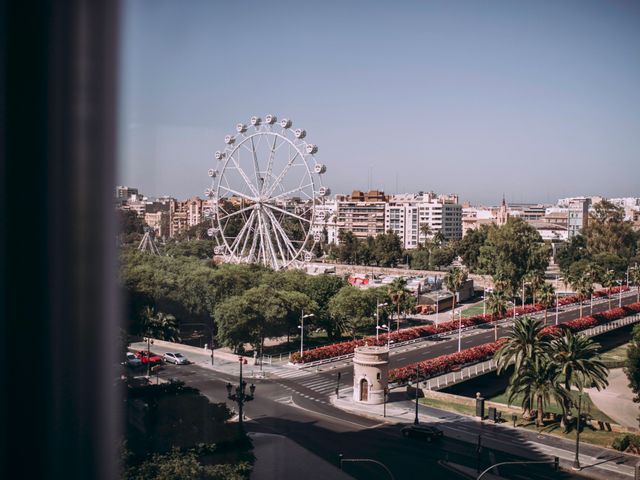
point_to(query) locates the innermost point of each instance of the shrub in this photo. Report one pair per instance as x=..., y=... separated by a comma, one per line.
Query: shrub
x=623, y=442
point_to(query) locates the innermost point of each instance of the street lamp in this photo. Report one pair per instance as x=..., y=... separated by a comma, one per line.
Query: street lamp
x=301, y=327
x=557, y=311
x=459, y=330
x=386, y=329
x=378, y=305
x=437, y=305
x=240, y=396
x=619, y=282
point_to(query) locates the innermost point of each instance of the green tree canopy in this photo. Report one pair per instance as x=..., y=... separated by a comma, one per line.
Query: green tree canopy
x=513, y=250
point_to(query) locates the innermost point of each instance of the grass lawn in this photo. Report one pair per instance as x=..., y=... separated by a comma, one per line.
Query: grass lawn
x=476, y=309
x=615, y=357
x=595, y=437
x=587, y=405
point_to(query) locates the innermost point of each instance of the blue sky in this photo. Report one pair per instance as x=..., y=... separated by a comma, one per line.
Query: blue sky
x=536, y=100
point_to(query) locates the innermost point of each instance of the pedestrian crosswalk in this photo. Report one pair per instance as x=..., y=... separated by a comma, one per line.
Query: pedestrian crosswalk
x=321, y=384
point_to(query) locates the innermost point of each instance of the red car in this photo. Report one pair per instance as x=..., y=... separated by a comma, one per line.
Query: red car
x=146, y=357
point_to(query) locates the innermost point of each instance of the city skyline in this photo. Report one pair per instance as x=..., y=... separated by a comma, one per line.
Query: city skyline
x=536, y=102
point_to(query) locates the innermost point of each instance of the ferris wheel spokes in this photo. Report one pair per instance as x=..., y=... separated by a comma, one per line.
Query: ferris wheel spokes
x=287, y=242
x=244, y=175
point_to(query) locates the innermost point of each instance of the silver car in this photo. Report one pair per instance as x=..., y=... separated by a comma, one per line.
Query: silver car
x=133, y=361
x=176, y=357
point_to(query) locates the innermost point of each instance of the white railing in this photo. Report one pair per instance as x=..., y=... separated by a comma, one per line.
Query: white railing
x=503, y=322
x=471, y=371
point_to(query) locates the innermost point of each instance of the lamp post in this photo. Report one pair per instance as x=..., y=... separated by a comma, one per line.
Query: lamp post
x=576, y=461
x=619, y=282
x=149, y=343
x=557, y=311
x=437, y=305
x=378, y=305
x=459, y=330
x=386, y=329
x=240, y=396
x=301, y=327
x=416, y=421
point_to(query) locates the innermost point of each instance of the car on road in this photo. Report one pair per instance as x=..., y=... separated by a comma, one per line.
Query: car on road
x=175, y=357
x=428, y=432
x=148, y=357
x=132, y=361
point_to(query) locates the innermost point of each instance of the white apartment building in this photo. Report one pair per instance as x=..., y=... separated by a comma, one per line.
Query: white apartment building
x=405, y=215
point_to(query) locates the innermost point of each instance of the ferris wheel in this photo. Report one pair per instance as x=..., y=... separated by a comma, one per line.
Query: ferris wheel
x=264, y=191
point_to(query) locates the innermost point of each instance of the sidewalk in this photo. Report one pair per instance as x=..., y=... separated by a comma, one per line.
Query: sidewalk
x=279, y=457
x=202, y=358
x=597, y=462
x=617, y=399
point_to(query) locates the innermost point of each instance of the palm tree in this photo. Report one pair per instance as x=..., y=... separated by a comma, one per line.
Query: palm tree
x=537, y=382
x=608, y=279
x=425, y=230
x=547, y=297
x=634, y=275
x=583, y=285
x=497, y=304
x=398, y=293
x=159, y=325
x=535, y=281
x=453, y=281
x=523, y=345
x=579, y=360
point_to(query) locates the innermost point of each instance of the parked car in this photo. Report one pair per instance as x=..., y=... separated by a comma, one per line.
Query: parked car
x=132, y=361
x=428, y=432
x=148, y=357
x=176, y=357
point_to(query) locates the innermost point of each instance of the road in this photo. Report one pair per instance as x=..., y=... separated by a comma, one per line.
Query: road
x=295, y=403
x=286, y=408
x=412, y=353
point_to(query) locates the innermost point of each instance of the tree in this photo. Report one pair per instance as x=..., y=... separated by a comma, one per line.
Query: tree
x=537, y=382
x=453, y=281
x=425, y=230
x=442, y=256
x=579, y=360
x=159, y=325
x=348, y=246
x=634, y=277
x=387, y=249
x=523, y=344
x=398, y=294
x=470, y=245
x=513, y=250
x=583, y=285
x=353, y=311
x=497, y=304
x=608, y=232
x=547, y=297
x=570, y=252
x=632, y=363
x=258, y=313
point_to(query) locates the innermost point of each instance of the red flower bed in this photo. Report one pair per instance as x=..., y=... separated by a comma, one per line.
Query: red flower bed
x=594, y=320
x=444, y=363
x=346, y=348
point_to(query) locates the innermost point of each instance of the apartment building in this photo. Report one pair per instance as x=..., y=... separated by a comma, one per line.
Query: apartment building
x=407, y=214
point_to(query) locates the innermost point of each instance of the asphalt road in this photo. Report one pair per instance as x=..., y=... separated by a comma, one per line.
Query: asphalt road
x=420, y=351
x=286, y=408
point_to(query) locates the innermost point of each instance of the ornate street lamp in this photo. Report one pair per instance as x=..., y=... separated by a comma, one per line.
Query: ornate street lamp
x=240, y=396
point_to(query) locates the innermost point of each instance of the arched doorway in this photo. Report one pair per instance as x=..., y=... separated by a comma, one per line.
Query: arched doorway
x=364, y=390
